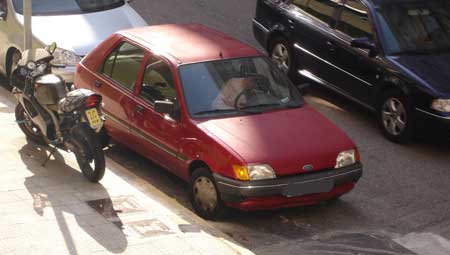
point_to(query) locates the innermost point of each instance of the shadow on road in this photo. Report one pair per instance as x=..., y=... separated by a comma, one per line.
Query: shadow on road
x=56, y=188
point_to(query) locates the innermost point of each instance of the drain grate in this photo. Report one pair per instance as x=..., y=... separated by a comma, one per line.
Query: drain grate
x=110, y=208
x=129, y=216
x=146, y=228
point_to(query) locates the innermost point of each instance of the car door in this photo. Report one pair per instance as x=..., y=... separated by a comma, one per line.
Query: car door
x=159, y=134
x=116, y=81
x=312, y=21
x=358, y=72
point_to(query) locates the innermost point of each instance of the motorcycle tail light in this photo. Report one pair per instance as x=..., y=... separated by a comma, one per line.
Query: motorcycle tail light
x=92, y=101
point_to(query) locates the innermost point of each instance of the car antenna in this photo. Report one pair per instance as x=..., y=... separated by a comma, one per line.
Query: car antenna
x=221, y=55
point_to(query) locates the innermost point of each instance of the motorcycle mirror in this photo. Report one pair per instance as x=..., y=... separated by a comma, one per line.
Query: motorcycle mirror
x=52, y=48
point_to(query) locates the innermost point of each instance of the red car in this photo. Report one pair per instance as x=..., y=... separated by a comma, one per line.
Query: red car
x=219, y=114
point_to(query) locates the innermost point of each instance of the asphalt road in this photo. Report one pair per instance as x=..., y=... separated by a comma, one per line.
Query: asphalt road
x=403, y=195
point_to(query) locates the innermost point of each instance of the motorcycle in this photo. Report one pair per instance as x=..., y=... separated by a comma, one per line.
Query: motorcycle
x=48, y=113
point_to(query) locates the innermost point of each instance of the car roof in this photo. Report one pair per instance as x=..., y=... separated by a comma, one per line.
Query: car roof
x=189, y=43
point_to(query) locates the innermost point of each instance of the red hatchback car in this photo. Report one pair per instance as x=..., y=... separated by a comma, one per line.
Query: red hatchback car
x=219, y=114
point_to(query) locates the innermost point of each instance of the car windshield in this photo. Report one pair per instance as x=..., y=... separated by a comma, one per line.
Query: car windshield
x=59, y=7
x=236, y=86
x=422, y=26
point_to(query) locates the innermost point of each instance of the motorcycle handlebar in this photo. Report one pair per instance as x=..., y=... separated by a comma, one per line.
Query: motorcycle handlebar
x=58, y=65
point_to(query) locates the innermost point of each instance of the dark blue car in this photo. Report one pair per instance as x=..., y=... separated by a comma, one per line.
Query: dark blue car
x=391, y=56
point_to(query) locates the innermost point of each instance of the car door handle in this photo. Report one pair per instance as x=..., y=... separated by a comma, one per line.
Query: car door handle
x=139, y=109
x=98, y=84
x=331, y=46
x=291, y=24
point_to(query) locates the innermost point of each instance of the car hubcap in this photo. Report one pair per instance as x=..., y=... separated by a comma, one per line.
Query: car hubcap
x=205, y=194
x=280, y=57
x=394, y=116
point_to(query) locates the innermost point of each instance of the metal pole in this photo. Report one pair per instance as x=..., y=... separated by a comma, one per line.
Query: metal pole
x=28, y=35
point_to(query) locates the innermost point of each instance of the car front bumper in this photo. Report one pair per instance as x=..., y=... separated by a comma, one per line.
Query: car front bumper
x=427, y=116
x=303, y=189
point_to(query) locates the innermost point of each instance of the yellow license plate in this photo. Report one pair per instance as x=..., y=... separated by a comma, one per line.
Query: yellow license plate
x=93, y=118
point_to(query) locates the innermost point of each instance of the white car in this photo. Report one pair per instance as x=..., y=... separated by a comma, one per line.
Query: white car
x=77, y=26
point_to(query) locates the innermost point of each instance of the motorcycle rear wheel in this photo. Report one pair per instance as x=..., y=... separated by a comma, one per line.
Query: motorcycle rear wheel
x=30, y=130
x=88, y=152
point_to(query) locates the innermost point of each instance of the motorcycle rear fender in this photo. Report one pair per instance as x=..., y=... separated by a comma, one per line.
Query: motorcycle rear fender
x=75, y=100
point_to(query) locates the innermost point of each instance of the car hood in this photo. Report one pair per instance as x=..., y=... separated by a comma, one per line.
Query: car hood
x=287, y=140
x=431, y=70
x=80, y=33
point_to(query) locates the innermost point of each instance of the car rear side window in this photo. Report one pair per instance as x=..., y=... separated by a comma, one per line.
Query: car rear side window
x=122, y=65
x=157, y=83
x=354, y=20
x=321, y=9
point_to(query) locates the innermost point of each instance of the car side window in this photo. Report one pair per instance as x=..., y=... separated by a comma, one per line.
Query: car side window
x=321, y=9
x=354, y=20
x=123, y=64
x=157, y=83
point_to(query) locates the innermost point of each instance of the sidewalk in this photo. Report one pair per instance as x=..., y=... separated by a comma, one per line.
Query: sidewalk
x=55, y=210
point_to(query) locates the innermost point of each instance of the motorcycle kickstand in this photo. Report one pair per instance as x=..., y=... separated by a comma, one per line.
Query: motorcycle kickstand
x=49, y=155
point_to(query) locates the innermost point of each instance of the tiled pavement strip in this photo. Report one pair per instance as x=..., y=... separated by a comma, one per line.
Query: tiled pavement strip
x=55, y=210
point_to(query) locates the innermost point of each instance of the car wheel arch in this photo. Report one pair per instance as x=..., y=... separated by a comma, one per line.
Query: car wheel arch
x=391, y=84
x=8, y=59
x=274, y=35
x=196, y=164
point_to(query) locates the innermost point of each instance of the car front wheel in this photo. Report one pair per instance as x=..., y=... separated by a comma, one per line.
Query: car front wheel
x=395, y=118
x=281, y=55
x=204, y=195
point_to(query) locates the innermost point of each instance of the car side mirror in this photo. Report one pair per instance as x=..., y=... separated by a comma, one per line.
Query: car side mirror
x=365, y=43
x=2, y=15
x=164, y=107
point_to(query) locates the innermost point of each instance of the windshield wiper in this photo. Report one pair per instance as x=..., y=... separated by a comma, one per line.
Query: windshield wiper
x=225, y=111
x=278, y=105
x=260, y=105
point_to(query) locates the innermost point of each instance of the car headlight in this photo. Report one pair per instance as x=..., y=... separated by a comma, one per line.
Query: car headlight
x=441, y=105
x=254, y=172
x=346, y=158
x=65, y=57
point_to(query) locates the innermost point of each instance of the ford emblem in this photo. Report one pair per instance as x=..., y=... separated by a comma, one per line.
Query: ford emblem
x=308, y=167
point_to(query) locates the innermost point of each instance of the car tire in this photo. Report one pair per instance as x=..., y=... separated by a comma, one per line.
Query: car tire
x=281, y=54
x=204, y=195
x=395, y=116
